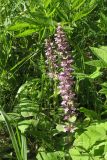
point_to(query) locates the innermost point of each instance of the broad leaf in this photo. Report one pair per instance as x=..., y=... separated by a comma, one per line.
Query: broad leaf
x=101, y=53
x=90, y=143
x=97, y=63
x=43, y=155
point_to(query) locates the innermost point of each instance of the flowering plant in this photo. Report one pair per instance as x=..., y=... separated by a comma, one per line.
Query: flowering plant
x=62, y=69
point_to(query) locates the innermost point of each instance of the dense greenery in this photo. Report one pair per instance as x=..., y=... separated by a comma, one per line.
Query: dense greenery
x=30, y=112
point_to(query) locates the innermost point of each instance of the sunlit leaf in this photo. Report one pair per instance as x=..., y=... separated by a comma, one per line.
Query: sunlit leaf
x=90, y=143
x=26, y=33
x=97, y=63
x=60, y=127
x=101, y=53
x=18, y=26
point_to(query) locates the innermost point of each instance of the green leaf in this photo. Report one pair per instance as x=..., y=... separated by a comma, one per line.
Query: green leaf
x=72, y=119
x=81, y=76
x=22, y=62
x=46, y=3
x=95, y=74
x=24, y=125
x=24, y=147
x=62, y=14
x=97, y=63
x=93, y=133
x=101, y=53
x=28, y=108
x=76, y=4
x=26, y=33
x=60, y=127
x=88, y=113
x=104, y=84
x=12, y=135
x=104, y=88
x=91, y=143
x=85, y=10
x=28, y=111
x=102, y=23
x=56, y=155
x=105, y=150
x=103, y=91
x=1, y=118
x=76, y=155
x=18, y=26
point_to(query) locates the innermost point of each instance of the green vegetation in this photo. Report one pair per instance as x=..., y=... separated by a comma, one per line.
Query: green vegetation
x=31, y=117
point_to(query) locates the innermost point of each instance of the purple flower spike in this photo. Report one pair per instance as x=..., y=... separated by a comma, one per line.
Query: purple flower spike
x=51, y=59
x=65, y=76
x=60, y=62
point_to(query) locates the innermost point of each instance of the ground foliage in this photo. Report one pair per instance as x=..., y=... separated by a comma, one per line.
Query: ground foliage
x=30, y=119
